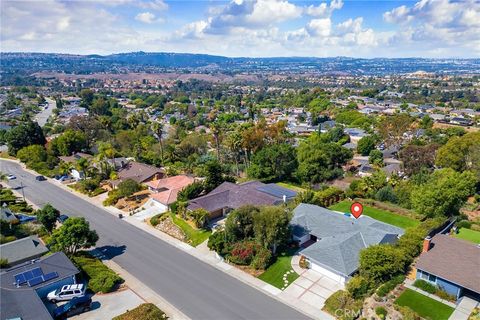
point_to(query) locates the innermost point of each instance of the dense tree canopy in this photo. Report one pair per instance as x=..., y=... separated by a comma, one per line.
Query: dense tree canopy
x=48, y=217
x=24, y=135
x=72, y=236
x=274, y=163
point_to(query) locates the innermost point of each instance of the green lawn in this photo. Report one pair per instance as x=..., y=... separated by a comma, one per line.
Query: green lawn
x=290, y=186
x=274, y=274
x=194, y=236
x=469, y=235
x=426, y=307
x=378, y=214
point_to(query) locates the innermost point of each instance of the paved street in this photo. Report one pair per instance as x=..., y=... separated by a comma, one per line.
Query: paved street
x=43, y=115
x=196, y=288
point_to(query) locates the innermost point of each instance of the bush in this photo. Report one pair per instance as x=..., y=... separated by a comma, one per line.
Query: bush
x=6, y=239
x=386, y=194
x=145, y=311
x=390, y=285
x=217, y=243
x=341, y=300
x=101, y=278
x=425, y=286
x=4, y=263
x=262, y=259
x=464, y=224
x=407, y=313
x=243, y=252
x=155, y=220
x=381, y=312
x=358, y=287
x=445, y=295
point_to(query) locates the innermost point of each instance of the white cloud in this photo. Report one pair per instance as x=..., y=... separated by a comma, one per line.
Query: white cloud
x=145, y=17
x=319, y=27
x=323, y=10
x=158, y=5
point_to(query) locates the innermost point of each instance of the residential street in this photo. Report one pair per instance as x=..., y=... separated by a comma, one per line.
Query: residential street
x=194, y=287
x=43, y=116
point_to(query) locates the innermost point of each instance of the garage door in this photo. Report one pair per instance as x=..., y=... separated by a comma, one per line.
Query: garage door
x=327, y=273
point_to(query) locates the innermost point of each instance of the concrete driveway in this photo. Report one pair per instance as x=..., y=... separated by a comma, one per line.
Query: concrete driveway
x=107, y=306
x=313, y=288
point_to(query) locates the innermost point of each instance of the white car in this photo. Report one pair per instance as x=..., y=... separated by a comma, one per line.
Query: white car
x=11, y=177
x=67, y=292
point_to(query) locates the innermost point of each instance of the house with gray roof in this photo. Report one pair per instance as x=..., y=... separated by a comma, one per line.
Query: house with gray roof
x=22, y=250
x=7, y=215
x=21, y=298
x=229, y=196
x=333, y=241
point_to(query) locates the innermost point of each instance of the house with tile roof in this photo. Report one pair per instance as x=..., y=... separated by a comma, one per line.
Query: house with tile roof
x=333, y=241
x=139, y=172
x=451, y=264
x=229, y=196
x=164, y=191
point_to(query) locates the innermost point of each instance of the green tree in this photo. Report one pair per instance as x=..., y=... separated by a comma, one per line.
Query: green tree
x=73, y=235
x=380, y=263
x=375, y=157
x=32, y=154
x=128, y=187
x=239, y=224
x=366, y=145
x=391, y=129
x=415, y=158
x=24, y=135
x=48, y=216
x=69, y=142
x=277, y=162
x=271, y=227
x=444, y=193
x=319, y=160
x=214, y=175
x=458, y=152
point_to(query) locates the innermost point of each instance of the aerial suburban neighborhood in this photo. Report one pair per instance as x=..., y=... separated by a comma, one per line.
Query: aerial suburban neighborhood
x=306, y=160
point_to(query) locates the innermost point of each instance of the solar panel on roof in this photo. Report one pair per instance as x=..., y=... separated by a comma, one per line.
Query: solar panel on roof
x=37, y=272
x=20, y=279
x=50, y=276
x=33, y=282
x=28, y=275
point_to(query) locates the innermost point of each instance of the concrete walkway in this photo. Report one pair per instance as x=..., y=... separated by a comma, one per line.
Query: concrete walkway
x=209, y=257
x=464, y=309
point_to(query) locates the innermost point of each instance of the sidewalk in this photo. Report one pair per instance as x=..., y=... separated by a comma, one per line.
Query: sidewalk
x=203, y=255
x=464, y=309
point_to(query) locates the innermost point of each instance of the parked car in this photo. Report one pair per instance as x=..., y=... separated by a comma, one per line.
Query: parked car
x=22, y=218
x=11, y=177
x=40, y=178
x=73, y=307
x=67, y=292
x=62, y=218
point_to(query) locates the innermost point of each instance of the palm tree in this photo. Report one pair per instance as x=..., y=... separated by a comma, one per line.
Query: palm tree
x=157, y=128
x=216, y=130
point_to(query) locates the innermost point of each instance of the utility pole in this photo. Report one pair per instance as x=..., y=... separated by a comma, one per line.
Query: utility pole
x=23, y=192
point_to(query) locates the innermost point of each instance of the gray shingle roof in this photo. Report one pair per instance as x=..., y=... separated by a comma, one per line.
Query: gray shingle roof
x=231, y=195
x=339, y=238
x=22, y=249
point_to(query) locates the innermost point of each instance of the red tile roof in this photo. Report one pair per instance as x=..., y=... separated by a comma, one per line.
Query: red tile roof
x=168, y=188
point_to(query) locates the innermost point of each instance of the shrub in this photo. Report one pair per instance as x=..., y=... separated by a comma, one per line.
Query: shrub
x=262, y=259
x=358, y=287
x=243, y=252
x=145, y=311
x=4, y=263
x=464, y=224
x=425, y=286
x=341, y=300
x=6, y=239
x=155, y=220
x=101, y=278
x=445, y=295
x=390, y=285
x=381, y=312
x=386, y=194
x=407, y=313
x=217, y=243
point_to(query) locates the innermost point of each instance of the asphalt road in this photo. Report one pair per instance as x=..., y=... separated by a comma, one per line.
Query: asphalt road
x=199, y=290
x=43, y=115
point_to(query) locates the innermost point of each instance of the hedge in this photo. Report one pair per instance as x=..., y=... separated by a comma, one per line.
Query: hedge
x=425, y=286
x=101, y=278
x=388, y=286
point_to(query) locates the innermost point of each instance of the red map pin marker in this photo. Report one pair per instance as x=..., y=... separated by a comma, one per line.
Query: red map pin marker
x=356, y=209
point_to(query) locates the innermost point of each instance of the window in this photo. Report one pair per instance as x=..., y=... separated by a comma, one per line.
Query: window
x=424, y=275
x=432, y=278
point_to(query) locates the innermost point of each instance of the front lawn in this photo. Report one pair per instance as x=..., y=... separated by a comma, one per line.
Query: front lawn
x=469, y=235
x=274, y=274
x=426, y=307
x=194, y=236
x=145, y=311
x=378, y=214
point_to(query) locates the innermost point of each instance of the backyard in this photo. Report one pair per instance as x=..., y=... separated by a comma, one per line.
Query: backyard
x=469, y=235
x=424, y=306
x=379, y=214
x=274, y=274
x=194, y=236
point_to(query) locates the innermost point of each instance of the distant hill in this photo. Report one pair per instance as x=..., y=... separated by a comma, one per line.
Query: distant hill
x=28, y=63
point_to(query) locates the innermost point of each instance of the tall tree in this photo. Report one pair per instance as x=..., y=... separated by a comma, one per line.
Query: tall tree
x=72, y=236
x=391, y=129
x=271, y=227
x=157, y=128
x=274, y=163
x=48, y=216
x=24, y=135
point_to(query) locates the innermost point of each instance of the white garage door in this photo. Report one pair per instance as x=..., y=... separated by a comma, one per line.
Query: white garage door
x=327, y=273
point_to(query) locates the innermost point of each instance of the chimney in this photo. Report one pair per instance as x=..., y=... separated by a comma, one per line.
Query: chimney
x=426, y=244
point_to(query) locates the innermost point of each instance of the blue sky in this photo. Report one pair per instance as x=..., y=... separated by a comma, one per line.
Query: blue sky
x=423, y=28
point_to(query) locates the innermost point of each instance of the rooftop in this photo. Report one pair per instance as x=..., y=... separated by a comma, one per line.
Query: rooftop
x=22, y=249
x=454, y=260
x=339, y=238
